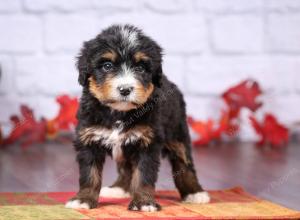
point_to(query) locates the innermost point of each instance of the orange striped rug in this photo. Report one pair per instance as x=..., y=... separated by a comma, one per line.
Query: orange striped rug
x=233, y=203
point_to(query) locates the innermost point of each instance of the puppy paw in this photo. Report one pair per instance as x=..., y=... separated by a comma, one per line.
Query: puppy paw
x=144, y=206
x=83, y=203
x=199, y=197
x=114, y=192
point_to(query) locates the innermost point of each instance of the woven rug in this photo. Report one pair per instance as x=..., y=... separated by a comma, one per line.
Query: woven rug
x=233, y=203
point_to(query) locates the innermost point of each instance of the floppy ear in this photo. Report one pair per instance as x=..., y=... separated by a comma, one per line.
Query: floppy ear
x=156, y=79
x=82, y=66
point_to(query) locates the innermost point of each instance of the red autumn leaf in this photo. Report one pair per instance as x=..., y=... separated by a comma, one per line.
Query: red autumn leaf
x=26, y=128
x=242, y=95
x=227, y=125
x=203, y=130
x=270, y=131
x=66, y=118
x=209, y=130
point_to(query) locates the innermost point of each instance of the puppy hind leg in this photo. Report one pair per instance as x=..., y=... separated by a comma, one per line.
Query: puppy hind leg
x=184, y=174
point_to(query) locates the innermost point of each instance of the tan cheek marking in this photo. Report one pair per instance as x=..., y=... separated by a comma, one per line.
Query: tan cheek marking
x=101, y=92
x=142, y=93
x=110, y=55
x=138, y=56
x=179, y=150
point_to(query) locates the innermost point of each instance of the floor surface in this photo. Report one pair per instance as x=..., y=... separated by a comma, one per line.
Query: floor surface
x=272, y=174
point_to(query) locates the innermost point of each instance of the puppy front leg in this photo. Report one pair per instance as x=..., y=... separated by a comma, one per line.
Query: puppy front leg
x=121, y=187
x=143, y=181
x=90, y=168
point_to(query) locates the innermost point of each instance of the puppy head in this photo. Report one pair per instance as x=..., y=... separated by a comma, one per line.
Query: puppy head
x=120, y=67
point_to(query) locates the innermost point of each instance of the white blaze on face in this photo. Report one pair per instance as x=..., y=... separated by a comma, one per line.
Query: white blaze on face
x=125, y=78
x=129, y=36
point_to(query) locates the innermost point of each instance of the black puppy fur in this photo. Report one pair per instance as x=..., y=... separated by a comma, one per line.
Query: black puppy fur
x=134, y=131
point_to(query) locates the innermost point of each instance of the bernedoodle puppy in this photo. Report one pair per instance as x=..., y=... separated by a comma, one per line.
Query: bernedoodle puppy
x=131, y=111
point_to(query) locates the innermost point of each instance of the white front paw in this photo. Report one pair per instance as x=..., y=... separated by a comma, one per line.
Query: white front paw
x=114, y=192
x=76, y=204
x=148, y=208
x=199, y=197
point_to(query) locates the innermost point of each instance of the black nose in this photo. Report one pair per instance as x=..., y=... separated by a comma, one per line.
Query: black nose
x=125, y=90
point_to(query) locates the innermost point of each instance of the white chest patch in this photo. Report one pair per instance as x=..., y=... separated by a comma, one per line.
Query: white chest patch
x=111, y=138
x=115, y=138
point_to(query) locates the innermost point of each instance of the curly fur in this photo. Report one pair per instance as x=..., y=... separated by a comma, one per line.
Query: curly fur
x=135, y=130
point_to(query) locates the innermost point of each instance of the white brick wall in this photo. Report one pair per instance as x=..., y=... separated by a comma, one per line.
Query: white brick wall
x=20, y=33
x=230, y=6
x=283, y=33
x=56, y=5
x=209, y=45
x=7, y=6
x=65, y=33
x=237, y=34
x=49, y=75
x=285, y=5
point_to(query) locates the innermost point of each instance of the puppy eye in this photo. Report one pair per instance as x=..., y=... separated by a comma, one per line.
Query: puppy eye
x=140, y=69
x=107, y=66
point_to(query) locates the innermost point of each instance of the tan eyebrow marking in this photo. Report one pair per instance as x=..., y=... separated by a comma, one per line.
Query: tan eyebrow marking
x=111, y=55
x=138, y=56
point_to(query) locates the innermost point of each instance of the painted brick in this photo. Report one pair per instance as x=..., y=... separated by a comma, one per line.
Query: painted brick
x=213, y=75
x=175, y=33
x=10, y=105
x=42, y=107
x=59, y=5
x=286, y=5
x=237, y=33
x=49, y=76
x=10, y=6
x=22, y=34
x=209, y=45
x=173, y=67
x=46, y=107
x=229, y=6
x=66, y=33
x=7, y=75
x=296, y=81
x=283, y=33
x=203, y=107
x=285, y=107
x=167, y=6
x=127, y=5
